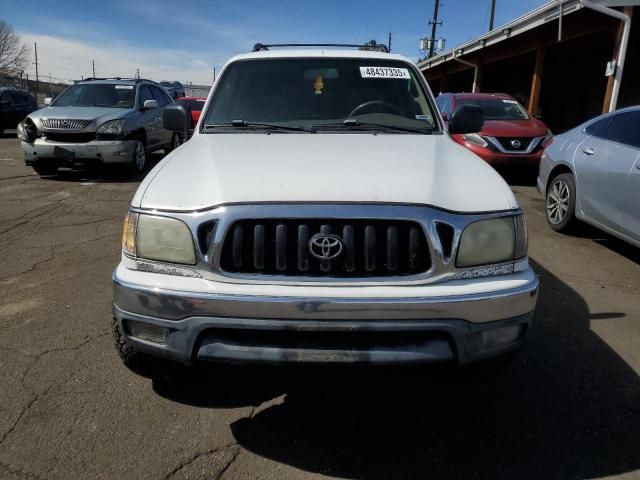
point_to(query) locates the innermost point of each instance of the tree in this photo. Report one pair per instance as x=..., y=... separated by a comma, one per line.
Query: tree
x=13, y=53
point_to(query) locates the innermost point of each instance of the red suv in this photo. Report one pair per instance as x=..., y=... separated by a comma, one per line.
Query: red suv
x=510, y=136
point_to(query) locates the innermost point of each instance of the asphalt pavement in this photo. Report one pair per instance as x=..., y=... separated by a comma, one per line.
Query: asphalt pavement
x=568, y=407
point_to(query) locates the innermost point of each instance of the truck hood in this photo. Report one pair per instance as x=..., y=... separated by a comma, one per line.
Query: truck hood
x=214, y=169
x=100, y=114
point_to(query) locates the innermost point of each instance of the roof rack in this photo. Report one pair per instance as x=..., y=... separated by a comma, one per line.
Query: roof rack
x=259, y=47
x=137, y=80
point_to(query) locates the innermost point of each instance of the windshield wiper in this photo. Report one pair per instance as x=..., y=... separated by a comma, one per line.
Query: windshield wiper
x=271, y=126
x=353, y=123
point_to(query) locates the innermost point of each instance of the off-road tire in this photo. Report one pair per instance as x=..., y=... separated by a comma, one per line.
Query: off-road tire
x=129, y=355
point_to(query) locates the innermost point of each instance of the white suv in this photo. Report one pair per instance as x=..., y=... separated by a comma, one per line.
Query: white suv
x=321, y=213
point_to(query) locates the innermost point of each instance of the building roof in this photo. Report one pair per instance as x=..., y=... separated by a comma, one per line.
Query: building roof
x=545, y=13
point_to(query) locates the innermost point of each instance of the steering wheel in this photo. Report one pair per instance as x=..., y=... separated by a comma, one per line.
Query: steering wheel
x=385, y=107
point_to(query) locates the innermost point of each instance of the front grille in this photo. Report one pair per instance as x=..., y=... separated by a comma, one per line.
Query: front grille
x=69, y=137
x=65, y=124
x=282, y=247
x=507, y=145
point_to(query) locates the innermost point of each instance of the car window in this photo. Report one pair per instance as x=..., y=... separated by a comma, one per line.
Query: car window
x=623, y=128
x=596, y=129
x=96, y=95
x=311, y=91
x=159, y=96
x=497, y=108
x=444, y=105
x=145, y=94
x=7, y=97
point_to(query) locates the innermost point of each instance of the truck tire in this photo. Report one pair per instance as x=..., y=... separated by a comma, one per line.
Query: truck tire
x=128, y=354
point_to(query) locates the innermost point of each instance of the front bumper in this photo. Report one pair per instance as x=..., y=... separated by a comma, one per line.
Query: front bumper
x=208, y=326
x=107, y=151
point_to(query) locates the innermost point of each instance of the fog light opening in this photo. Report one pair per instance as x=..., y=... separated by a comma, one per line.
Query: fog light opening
x=147, y=332
x=502, y=336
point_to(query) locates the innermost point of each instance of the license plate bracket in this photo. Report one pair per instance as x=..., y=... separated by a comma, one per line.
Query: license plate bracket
x=63, y=154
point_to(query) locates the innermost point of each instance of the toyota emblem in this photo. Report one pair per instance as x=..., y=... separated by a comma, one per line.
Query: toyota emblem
x=325, y=246
x=515, y=143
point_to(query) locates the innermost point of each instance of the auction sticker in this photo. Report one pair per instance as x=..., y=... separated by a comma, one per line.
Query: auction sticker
x=124, y=87
x=384, y=72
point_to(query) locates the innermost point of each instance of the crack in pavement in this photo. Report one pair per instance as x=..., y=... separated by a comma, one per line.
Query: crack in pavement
x=39, y=396
x=56, y=205
x=198, y=455
x=32, y=267
x=17, y=471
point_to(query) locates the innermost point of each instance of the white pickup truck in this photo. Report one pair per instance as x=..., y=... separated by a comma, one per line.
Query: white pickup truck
x=321, y=213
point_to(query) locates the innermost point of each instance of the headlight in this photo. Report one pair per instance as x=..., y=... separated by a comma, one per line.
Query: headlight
x=27, y=131
x=112, y=127
x=548, y=139
x=22, y=134
x=475, y=139
x=495, y=240
x=157, y=238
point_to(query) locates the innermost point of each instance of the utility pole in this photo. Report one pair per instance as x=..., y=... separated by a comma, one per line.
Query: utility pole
x=21, y=72
x=214, y=74
x=389, y=44
x=50, y=86
x=93, y=66
x=35, y=47
x=137, y=73
x=493, y=11
x=434, y=24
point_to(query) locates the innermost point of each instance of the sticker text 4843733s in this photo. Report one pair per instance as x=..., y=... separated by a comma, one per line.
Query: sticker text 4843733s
x=385, y=72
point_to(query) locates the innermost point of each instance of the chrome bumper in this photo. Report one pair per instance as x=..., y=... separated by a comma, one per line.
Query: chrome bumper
x=236, y=328
x=107, y=151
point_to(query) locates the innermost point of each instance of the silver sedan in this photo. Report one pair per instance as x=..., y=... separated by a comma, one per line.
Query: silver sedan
x=592, y=174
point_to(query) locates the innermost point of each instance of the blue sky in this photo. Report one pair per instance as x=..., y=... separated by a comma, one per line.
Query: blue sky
x=184, y=40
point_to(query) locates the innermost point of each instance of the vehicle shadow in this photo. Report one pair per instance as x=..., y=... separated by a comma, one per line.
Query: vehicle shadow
x=584, y=230
x=567, y=407
x=518, y=176
x=101, y=173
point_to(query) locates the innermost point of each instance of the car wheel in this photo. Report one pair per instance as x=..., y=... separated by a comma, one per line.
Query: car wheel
x=45, y=168
x=561, y=203
x=139, y=161
x=176, y=141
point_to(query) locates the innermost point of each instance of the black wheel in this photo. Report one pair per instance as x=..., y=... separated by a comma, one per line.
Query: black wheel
x=176, y=141
x=561, y=203
x=45, y=168
x=128, y=354
x=139, y=160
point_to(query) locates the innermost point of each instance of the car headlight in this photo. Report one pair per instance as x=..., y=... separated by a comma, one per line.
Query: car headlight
x=495, y=240
x=157, y=238
x=22, y=134
x=548, y=139
x=112, y=127
x=475, y=139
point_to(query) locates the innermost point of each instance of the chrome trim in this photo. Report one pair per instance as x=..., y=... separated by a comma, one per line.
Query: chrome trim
x=64, y=124
x=442, y=267
x=535, y=141
x=177, y=305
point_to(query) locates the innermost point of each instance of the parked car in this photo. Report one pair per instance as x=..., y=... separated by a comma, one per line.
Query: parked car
x=321, y=213
x=592, y=174
x=99, y=120
x=174, y=89
x=194, y=106
x=15, y=105
x=510, y=136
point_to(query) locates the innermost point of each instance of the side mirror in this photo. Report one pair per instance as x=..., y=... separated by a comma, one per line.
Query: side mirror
x=444, y=116
x=48, y=100
x=149, y=104
x=466, y=119
x=174, y=118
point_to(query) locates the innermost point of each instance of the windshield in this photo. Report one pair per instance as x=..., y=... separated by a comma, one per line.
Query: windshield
x=310, y=92
x=97, y=95
x=497, y=109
